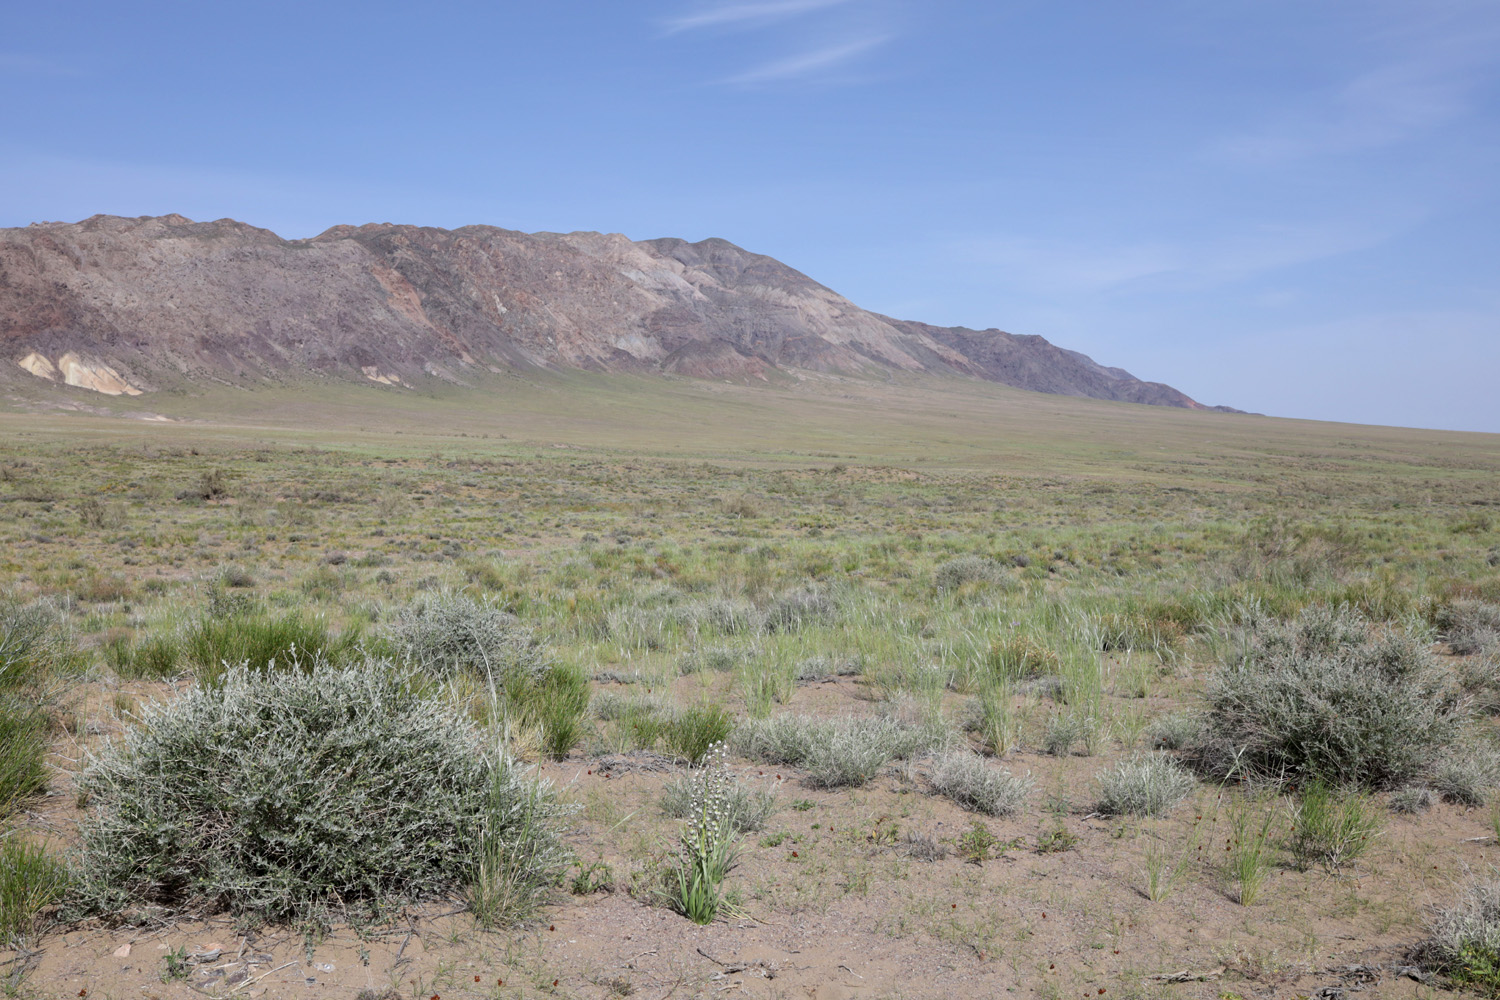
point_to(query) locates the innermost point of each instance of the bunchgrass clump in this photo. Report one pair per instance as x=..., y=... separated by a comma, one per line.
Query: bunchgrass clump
x=1328, y=696
x=24, y=744
x=1144, y=785
x=261, y=641
x=965, y=778
x=691, y=732
x=518, y=854
x=795, y=610
x=1331, y=828
x=955, y=573
x=446, y=633
x=30, y=879
x=291, y=795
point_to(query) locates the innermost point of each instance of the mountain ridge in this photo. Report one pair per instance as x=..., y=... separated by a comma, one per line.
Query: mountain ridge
x=123, y=305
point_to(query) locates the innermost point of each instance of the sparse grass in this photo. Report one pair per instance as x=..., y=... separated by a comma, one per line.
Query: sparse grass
x=262, y=642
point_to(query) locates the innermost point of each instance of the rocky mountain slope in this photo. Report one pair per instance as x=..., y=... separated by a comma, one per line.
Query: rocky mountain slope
x=135, y=305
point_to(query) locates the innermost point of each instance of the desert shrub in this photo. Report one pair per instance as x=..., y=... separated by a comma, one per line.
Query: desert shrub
x=1465, y=941
x=1144, y=785
x=747, y=809
x=446, y=633
x=1412, y=799
x=835, y=752
x=1331, y=828
x=30, y=879
x=720, y=659
x=265, y=642
x=292, y=796
x=1465, y=772
x=953, y=574
x=1328, y=696
x=1469, y=626
x=691, y=732
x=966, y=779
x=1174, y=732
x=794, y=610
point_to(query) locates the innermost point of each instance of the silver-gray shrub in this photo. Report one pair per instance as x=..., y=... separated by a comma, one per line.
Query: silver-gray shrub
x=1469, y=626
x=955, y=573
x=965, y=778
x=1144, y=785
x=1329, y=696
x=445, y=634
x=835, y=752
x=1466, y=936
x=299, y=796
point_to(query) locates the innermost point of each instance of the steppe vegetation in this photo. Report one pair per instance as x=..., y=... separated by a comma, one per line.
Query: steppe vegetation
x=1070, y=721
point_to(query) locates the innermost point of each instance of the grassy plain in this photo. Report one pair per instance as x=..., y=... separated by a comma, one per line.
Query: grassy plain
x=1047, y=581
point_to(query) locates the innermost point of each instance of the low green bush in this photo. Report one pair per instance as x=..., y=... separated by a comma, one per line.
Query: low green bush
x=264, y=642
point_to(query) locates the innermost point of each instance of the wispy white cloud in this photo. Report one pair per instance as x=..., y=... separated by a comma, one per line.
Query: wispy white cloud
x=747, y=14
x=808, y=63
x=1429, y=82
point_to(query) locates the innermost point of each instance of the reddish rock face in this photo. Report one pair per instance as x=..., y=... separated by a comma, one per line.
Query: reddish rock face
x=151, y=302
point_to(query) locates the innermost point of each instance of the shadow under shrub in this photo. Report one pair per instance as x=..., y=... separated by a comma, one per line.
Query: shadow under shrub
x=291, y=796
x=1328, y=696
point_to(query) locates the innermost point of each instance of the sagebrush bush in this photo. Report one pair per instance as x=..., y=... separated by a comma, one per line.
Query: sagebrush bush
x=1469, y=626
x=1465, y=941
x=1329, y=696
x=835, y=752
x=965, y=778
x=1149, y=784
x=953, y=574
x=289, y=796
x=1174, y=732
x=446, y=633
x=1466, y=772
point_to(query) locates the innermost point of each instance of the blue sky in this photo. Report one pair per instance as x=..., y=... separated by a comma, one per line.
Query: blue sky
x=1289, y=206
